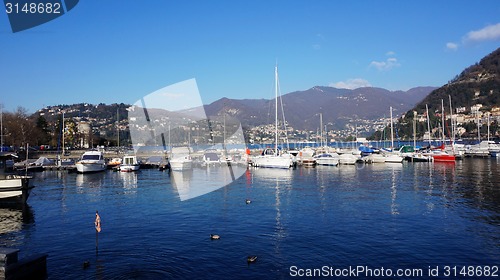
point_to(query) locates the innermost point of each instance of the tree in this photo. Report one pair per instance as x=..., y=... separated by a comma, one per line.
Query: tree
x=19, y=129
x=43, y=130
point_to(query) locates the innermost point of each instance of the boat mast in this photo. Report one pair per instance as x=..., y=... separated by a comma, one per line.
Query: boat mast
x=488, y=126
x=428, y=124
x=414, y=129
x=478, y=127
x=63, y=130
x=276, y=106
x=451, y=122
x=321, y=129
x=117, y=127
x=442, y=120
x=1, y=127
x=392, y=132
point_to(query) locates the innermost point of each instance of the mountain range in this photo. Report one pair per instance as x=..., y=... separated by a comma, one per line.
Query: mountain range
x=338, y=106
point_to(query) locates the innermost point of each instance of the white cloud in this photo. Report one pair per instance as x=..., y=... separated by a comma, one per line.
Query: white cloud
x=489, y=33
x=390, y=53
x=351, y=84
x=386, y=65
x=452, y=46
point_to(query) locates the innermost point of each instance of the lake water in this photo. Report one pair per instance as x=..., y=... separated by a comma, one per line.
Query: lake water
x=412, y=217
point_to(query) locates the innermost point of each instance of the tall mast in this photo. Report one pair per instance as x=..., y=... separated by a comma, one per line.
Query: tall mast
x=442, y=120
x=321, y=129
x=276, y=106
x=428, y=124
x=63, y=131
x=414, y=129
x=452, y=137
x=478, y=127
x=1, y=127
x=118, y=127
x=392, y=132
x=488, y=126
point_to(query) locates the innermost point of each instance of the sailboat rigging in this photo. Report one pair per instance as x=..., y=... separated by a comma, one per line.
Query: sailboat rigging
x=274, y=158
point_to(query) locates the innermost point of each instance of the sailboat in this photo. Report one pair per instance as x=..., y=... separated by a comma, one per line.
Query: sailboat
x=440, y=155
x=274, y=158
x=392, y=156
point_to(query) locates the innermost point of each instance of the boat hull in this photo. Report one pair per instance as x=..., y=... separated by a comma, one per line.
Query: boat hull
x=180, y=165
x=443, y=158
x=327, y=161
x=394, y=159
x=88, y=167
x=15, y=189
x=273, y=162
x=348, y=159
x=129, y=168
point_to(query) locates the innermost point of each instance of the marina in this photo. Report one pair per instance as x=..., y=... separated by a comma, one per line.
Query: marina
x=405, y=215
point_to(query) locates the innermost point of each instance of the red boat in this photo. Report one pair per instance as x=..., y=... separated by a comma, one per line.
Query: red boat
x=442, y=156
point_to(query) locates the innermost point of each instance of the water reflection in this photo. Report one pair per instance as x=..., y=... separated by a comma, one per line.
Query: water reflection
x=394, y=191
x=129, y=181
x=91, y=180
x=13, y=217
x=277, y=179
x=196, y=182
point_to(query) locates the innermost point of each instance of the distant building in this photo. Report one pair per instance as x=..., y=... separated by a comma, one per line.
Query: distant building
x=85, y=133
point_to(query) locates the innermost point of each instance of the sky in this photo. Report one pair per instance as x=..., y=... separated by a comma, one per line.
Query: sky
x=117, y=51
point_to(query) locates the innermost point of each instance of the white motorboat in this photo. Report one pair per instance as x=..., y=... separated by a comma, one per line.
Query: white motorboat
x=129, y=164
x=393, y=158
x=181, y=159
x=91, y=161
x=331, y=159
x=348, y=158
x=374, y=158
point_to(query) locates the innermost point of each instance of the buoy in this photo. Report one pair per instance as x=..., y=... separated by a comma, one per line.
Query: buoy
x=214, y=236
x=86, y=264
x=252, y=259
x=248, y=201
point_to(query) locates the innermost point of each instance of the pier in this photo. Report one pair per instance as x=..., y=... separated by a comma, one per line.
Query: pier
x=31, y=267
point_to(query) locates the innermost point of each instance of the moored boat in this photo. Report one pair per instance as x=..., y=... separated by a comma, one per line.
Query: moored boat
x=441, y=156
x=114, y=162
x=91, y=161
x=331, y=159
x=348, y=159
x=181, y=159
x=129, y=164
x=274, y=158
x=13, y=188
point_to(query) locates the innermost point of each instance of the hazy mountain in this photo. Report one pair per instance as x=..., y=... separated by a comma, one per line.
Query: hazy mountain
x=302, y=108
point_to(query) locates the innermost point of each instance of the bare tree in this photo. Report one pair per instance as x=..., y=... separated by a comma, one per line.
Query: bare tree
x=19, y=129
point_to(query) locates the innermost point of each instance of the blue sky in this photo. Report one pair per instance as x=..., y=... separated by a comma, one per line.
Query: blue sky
x=120, y=50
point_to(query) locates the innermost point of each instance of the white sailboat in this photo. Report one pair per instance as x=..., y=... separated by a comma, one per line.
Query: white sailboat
x=392, y=156
x=274, y=158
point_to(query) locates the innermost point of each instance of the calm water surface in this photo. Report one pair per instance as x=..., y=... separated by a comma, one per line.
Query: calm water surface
x=392, y=216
